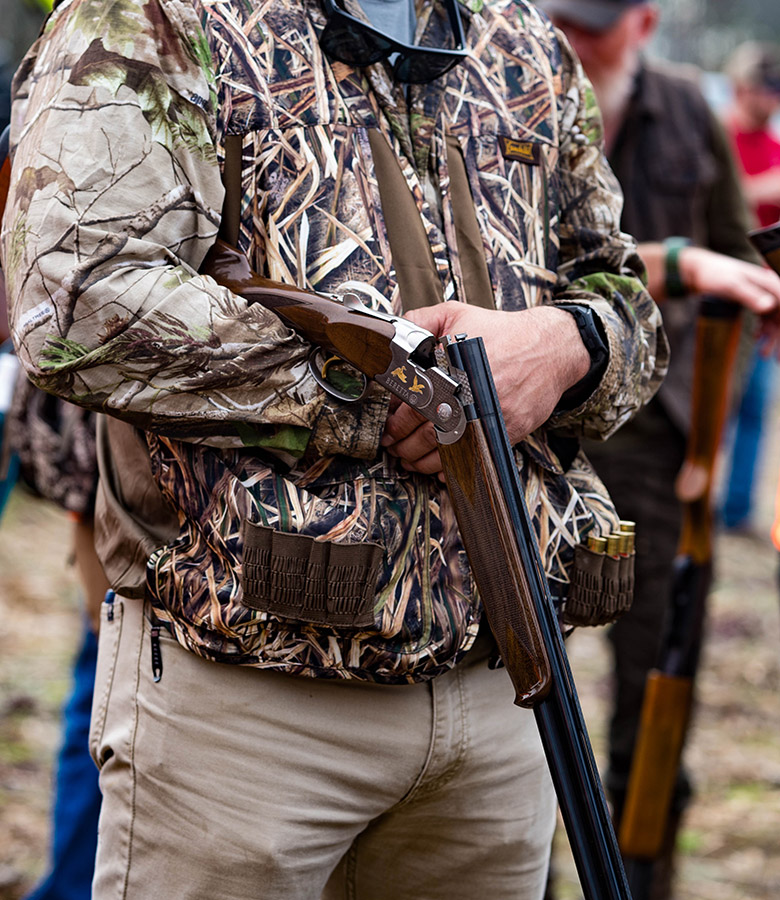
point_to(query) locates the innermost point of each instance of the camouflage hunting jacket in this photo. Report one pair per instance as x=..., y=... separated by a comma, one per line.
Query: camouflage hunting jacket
x=121, y=114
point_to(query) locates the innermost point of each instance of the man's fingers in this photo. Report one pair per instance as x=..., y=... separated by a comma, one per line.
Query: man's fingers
x=430, y=464
x=761, y=292
x=757, y=298
x=400, y=424
x=416, y=445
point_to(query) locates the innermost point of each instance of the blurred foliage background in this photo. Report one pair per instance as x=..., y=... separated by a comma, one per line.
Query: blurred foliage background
x=704, y=32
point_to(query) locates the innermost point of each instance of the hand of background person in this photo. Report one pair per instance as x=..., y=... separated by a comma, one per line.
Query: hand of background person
x=535, y=355
x=703, y=271
x=757, y=288
x=94, y=583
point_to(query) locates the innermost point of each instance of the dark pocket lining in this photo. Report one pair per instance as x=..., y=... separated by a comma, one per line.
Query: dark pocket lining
x=294, y=576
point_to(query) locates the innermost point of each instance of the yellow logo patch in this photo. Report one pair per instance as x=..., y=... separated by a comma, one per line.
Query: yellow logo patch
x=527, y=152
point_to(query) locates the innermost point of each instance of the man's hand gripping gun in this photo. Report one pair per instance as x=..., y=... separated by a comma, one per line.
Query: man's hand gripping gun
x=453, y=388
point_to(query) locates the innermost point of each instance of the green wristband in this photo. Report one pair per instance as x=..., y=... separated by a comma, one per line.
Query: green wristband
x=674, y=283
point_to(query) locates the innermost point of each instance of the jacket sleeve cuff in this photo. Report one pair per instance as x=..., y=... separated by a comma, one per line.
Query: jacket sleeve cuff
x=612, y=399
x=595, y=340
x=352, y=429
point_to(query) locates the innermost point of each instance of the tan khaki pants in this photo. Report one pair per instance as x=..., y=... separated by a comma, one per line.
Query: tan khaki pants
x=231, y=783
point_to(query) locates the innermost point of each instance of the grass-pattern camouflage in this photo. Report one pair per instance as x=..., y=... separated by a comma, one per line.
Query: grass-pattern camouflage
x=120, y=116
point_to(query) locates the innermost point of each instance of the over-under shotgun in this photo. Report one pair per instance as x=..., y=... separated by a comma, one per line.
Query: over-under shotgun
x=455, y=391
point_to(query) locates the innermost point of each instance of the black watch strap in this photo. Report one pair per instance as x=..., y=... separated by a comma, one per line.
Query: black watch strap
x=595, y=339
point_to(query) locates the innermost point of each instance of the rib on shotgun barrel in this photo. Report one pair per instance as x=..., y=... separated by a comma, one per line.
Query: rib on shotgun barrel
x=459, y=398
x=668, y=694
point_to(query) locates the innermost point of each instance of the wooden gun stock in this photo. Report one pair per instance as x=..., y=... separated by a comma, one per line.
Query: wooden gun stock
x=665, y=715
x=555, y=703
x=668, y=696
x=491, y=545
x=362, y=340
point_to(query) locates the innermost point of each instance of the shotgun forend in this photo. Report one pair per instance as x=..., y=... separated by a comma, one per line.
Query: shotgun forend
x=767, y=242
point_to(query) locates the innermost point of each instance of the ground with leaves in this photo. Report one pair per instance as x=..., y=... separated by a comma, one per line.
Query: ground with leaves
x=729, y=847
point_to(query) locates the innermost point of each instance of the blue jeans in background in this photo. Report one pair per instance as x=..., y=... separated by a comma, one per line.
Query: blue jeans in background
x=746, y=450
x=77, y=796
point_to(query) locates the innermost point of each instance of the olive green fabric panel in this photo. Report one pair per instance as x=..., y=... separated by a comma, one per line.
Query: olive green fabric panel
x=476, y=278
x=415, y=270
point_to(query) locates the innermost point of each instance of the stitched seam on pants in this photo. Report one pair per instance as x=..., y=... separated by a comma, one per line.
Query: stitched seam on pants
x=95, y=737
x=418, y=786
x=423, y=788
x=131, y=756
x=350, y=871
x=463, y=740
x=452, y=768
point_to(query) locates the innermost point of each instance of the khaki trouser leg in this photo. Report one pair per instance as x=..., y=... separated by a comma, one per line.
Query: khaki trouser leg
x=235, y=783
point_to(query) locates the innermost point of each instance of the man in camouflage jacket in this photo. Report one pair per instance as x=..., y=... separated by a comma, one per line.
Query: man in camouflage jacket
x=486, y=187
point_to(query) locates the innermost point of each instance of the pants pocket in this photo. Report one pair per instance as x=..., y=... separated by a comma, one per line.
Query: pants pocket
x=111, y=618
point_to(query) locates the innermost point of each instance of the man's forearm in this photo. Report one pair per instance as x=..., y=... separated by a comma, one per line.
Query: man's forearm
x=103, y=237
x=702, y=271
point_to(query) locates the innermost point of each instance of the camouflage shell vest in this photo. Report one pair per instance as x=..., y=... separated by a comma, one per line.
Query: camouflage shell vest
x=311, y=214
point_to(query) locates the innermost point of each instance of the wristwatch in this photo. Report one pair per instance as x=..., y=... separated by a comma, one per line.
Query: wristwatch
x=595, y=339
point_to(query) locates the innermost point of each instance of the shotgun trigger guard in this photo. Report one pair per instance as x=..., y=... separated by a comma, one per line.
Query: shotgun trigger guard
x=320, y=371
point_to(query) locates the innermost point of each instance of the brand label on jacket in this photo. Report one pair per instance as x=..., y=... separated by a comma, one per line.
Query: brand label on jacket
x=521, y=151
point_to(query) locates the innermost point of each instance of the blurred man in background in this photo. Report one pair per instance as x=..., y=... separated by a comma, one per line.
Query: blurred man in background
x=684, y=206
x=754, y=71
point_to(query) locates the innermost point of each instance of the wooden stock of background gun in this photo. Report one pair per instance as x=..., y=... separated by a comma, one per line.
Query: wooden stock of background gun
x=453, y=388
x=669, y=687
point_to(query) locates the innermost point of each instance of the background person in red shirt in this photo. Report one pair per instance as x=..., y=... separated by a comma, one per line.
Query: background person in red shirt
x=754, y=70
